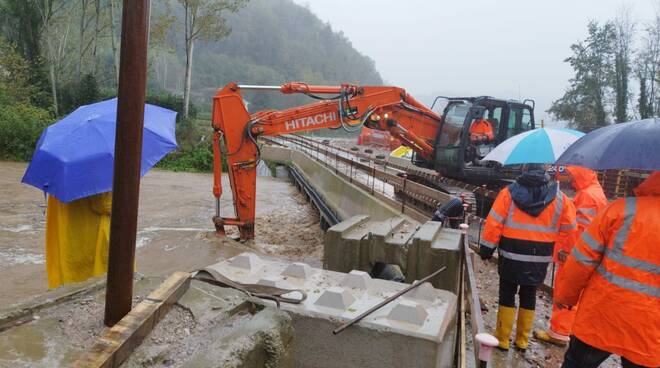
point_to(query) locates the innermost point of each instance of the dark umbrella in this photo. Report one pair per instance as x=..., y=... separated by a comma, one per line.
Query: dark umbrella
x=74, y=157
x=634, y=145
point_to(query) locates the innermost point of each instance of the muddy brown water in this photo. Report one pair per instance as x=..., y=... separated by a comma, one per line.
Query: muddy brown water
x=174, y=227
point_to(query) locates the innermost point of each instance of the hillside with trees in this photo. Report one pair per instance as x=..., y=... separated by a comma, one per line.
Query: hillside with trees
x=56, y=55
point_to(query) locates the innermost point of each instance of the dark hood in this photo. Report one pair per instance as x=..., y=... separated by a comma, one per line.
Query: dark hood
x=533, y=191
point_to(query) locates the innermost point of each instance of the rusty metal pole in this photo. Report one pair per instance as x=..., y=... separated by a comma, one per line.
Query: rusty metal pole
x=128, y=154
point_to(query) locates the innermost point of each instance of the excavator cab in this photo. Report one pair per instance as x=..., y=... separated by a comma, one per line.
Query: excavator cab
x=470, y=128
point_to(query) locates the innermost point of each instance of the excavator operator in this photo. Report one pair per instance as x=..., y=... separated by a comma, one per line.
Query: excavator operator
x=481, y=131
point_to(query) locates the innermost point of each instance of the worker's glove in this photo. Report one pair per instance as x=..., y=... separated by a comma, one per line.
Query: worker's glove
x=562, y=256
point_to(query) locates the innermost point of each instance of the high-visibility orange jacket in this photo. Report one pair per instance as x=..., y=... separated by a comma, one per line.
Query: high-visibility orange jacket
x=615, y=266
x=525, y=222
x=589, y=200
x=482, y=127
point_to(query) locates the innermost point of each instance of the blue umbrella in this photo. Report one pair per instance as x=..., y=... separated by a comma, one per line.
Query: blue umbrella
x=634, y=145
x=537, y=146
x=74, y=157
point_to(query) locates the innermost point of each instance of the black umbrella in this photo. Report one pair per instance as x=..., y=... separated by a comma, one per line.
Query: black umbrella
x=634, y=145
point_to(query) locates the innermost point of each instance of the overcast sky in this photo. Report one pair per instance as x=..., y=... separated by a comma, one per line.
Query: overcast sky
x=502, y=48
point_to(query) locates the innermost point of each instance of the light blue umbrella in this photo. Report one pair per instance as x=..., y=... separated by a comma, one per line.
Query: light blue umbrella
x=537, y=146
x=75, y=157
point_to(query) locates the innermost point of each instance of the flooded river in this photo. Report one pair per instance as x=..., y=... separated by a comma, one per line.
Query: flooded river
x=174, y=228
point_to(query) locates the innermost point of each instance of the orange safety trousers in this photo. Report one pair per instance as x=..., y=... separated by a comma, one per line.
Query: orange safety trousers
x=561, y=320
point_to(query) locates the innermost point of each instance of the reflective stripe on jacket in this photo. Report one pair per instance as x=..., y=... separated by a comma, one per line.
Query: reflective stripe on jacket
x=615, y=266
x=526, y=242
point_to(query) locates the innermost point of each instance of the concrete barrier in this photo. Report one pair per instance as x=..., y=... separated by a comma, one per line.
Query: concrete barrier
x=359, y=242
x=344, y=198
x=373, y=230
x=415, y=330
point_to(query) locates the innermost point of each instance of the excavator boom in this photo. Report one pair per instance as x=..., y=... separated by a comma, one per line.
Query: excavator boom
x=348, y=107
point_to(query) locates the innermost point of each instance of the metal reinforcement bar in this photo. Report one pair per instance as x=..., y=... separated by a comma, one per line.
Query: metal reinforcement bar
x=325, y=212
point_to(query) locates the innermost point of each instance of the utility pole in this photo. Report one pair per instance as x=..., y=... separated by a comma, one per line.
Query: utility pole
x=128, y=154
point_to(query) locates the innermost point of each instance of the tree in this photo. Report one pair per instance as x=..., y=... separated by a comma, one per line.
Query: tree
x=54, y=40
x=584, y=105
x=624, y=30
x=21, y=24
x=647, y=69
x=14, y=76
x=203, y=20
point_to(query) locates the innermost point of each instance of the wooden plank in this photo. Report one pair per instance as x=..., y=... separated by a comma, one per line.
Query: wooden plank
x=116, y=343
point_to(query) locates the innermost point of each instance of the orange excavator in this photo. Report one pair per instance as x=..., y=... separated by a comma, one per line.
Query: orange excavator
x=345, y=107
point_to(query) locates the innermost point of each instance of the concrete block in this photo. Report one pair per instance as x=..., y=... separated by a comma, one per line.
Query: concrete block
x=418, y=250
x=356, y=280
x=409, y=312
x=247, y=261
x=431, y=248
x=335, y=297
x=298, y=270
x=410, y=332
x=342, y=251
x=423, y=292
x=270, y=281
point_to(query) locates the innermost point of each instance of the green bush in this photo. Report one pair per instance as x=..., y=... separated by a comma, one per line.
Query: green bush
x=198, y=158
x=172, y=102
x=75, y=94
x=20, y=128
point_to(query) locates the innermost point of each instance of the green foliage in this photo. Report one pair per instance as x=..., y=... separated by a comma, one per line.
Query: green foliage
x=14, y=76
x=644, y=104
x=74, y=95
x=88, y=92
x=172, y=102
x=20, y=128
x=21, y=24
x=195, y=158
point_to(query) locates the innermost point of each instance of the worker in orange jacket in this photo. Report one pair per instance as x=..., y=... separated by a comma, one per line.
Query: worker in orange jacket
x=481, y=130
x=614, y=270
x=526, y=220
x=589, y=200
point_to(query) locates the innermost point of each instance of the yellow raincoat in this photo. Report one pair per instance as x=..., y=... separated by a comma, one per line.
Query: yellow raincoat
x=77, y=238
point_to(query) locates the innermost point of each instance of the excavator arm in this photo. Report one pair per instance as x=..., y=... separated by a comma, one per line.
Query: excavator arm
x=347, y=106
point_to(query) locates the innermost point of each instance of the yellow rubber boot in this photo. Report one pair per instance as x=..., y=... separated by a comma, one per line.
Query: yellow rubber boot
x=547, y=336
x=505, y=316
x=524, y=327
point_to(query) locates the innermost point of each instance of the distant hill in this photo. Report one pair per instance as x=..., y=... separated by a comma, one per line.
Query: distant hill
x=272, y=42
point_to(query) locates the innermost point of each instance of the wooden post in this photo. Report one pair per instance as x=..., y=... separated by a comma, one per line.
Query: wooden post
x=118, y=342
x=128, y=154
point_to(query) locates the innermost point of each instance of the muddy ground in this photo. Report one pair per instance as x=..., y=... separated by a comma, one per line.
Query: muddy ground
x=174, y=228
